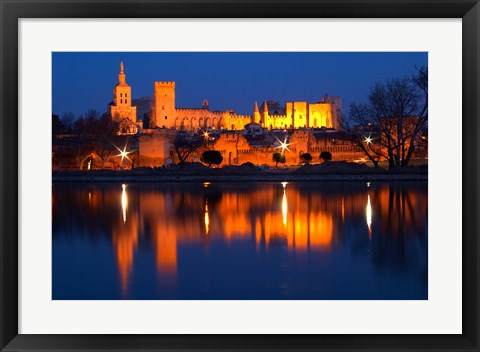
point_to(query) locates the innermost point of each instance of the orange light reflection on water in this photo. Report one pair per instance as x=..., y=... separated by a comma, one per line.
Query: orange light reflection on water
x=302, y=219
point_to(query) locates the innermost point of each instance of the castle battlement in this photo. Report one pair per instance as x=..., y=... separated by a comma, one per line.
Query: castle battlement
x=190, y=109
x=164, y=84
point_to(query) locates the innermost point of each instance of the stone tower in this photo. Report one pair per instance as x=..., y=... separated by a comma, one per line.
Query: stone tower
x=264, y=113
x=163, y=112
x=122, y=110
x=256, y=114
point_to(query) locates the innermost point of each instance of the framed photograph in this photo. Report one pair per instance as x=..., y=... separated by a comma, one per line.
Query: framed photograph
x=231, y=175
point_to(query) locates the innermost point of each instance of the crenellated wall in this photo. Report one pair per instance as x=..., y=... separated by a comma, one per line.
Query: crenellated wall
x=237, y=122
x=278, y=122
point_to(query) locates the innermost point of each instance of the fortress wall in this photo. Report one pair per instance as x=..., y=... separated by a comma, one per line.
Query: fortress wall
x=238, y=122
x=155, y=148
x=322, y=115
x=278, y=122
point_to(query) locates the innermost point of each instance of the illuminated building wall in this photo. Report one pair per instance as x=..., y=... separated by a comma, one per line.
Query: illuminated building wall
x=155, y=147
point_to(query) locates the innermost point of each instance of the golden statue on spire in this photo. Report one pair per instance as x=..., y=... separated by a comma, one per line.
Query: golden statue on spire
x=121, y=67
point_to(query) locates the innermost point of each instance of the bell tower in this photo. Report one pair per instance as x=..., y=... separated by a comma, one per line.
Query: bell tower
x=122, y=109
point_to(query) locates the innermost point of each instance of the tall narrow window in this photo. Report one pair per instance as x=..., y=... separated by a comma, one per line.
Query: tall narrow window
x=120, y=94
x=121, y=101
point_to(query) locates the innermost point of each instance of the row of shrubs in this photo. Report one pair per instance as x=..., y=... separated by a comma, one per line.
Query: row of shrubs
x=214, y=157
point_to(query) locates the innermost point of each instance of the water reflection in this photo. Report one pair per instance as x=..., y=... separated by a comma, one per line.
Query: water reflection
x=207, y=218
x=368, y=214
x=124, y=203
x=315, y=231
x=284, y=204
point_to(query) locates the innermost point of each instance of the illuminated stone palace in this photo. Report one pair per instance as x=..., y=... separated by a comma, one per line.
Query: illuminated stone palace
x=310, y=127
x=165, y=113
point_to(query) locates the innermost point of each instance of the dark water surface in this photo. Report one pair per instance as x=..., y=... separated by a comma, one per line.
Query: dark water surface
x=311, y=240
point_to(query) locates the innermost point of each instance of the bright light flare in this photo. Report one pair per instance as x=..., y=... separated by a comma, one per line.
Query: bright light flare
x=283, y=145
x=123, y=153
x=368, y=140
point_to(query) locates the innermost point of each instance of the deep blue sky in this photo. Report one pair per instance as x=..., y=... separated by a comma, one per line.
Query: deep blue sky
x=85, y=80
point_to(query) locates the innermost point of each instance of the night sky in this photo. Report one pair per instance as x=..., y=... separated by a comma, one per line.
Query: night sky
x=85, y=80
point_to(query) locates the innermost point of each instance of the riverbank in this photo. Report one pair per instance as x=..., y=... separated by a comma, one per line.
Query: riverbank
x=195, y=172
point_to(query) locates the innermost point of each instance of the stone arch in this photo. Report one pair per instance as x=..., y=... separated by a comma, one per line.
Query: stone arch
x=185, y=123
x=200, y=122
x=95, y=160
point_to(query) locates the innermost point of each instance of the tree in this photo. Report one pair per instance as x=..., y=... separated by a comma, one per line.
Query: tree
x=57, y=126
x=185, y=145
x=389, y=125
x=105, y=130
x=95, y=134
x=68, y=119
x=278, y=158
x=326, y=156
x=306, y=158
x=211, y=157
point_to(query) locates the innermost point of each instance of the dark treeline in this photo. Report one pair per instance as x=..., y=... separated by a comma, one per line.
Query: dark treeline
x=76, y=139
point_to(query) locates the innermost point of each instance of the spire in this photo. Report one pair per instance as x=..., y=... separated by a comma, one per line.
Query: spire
x=121, y=75
x=265, y=108
x=256, y=114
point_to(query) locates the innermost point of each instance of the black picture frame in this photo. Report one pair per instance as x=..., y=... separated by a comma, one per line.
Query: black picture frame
x=12, y=11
